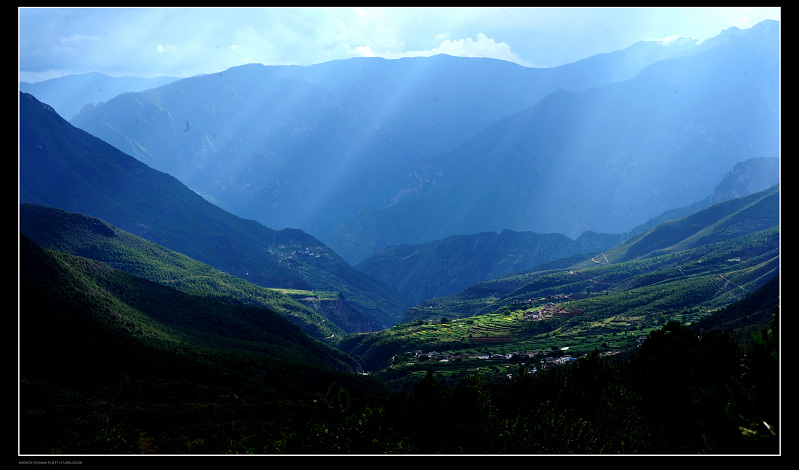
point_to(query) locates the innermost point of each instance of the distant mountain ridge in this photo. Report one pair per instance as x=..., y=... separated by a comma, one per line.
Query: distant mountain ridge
x=521, y=169
x=606, y=159
x=309, y=147
x=66, y=168
x=70, y=94
x=447, y=266
x=745, y=178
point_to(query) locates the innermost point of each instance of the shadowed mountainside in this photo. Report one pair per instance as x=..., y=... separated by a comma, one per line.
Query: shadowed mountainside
x=66, y=168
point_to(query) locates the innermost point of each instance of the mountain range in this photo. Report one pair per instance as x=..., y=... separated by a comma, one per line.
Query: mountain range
x=480, y=220
x=70, y=94
x=686, y=267
x=66, y=168
x=536, y=156
x=445, y=267
x=606, y=159
x=369, y=153
x=737, y=239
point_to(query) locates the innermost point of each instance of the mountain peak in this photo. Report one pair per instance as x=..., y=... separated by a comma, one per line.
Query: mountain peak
x=29, y=99
x=764, y=33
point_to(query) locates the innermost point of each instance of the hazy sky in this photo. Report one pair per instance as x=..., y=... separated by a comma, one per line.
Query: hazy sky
x=181, y=42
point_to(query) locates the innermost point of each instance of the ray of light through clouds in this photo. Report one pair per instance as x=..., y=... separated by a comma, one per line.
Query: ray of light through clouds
x=181, y=42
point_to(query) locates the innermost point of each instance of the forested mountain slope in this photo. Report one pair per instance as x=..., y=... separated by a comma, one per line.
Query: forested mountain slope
x=66, y=168
x=101, y=333
x=92, y=238
x=447, y=266
x=748, y=316
x=711, y=258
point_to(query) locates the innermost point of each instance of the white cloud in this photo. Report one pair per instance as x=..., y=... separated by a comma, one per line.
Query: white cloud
x=364, y=51
x=483, y=46
x=441, y=37
x=480, y=46
x=166, y=41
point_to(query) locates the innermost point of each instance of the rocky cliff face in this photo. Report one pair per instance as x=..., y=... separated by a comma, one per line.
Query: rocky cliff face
x=747, y=177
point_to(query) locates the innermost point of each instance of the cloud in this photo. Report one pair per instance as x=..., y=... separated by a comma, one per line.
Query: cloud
x=364, y=51
x=482, y=46
x=196, y=40
x=479, y=46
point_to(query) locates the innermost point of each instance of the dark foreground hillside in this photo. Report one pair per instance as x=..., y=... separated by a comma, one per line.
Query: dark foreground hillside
x=680, y=395
x=93, y=339
x=92, y=387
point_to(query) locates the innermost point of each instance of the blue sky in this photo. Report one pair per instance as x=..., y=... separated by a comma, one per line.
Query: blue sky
x=182, y=42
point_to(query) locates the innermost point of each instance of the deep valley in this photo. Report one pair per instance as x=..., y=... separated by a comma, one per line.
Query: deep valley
x=433, y=255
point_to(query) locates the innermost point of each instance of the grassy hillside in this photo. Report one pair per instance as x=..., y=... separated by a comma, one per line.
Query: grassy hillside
x=562, y=310
x=718, y=222
x=92, y=238
x=92, y=331
x=684, y=271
